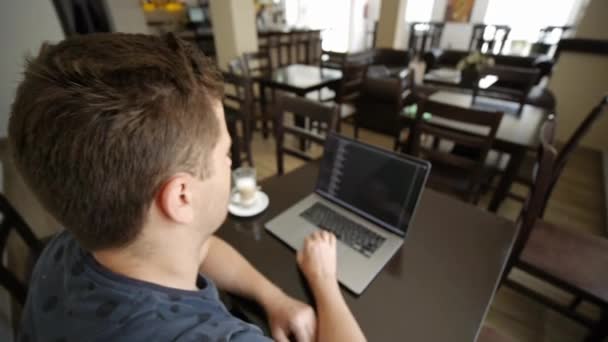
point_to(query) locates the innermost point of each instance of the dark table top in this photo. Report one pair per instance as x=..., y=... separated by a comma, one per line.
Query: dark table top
x=519, y=130
x=437, y=287
x=301, y=78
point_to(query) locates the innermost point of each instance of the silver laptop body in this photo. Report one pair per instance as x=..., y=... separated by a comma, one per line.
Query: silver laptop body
x=365, y=195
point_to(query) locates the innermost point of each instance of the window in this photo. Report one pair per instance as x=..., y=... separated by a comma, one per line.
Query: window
x=419, y=10
x=527, y=17
x=331, y=16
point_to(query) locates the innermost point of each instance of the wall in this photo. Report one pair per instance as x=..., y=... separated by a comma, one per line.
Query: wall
x=358, y=26
x=24, y=25
x=457, y=35
x=580, y=80
x=391, y=24
x=127, y=16
x=235, y=29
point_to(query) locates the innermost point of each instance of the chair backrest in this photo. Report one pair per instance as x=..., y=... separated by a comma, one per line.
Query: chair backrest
x=326, y=117
x=349, y=87
x=238, y=99
x=499, y=35
x=315, y=44
x=237, y=66
x=381, y=101
x=333, y=60
x=285, y=44
x=301, y=41
x=257, y=63
x=470, y=128
x=534, y=204
x=12, y=221
x=573, y=142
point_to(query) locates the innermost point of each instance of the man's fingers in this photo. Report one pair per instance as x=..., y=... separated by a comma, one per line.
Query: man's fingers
x=301, y=333
x=279, y=335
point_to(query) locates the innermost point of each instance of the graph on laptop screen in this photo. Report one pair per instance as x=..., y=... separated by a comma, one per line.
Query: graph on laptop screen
x=379, y=185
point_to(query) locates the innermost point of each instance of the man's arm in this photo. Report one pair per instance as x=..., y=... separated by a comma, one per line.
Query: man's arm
x=232, y=273
x=317, y=259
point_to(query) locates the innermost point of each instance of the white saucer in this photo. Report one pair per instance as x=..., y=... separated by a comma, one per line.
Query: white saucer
x=261, y=203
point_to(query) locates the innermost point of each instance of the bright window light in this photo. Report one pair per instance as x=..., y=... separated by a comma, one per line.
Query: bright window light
x=527, y=17
x=331, y=16
x=418, y=10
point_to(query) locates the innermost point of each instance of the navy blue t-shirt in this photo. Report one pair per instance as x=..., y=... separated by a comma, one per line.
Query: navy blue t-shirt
x=74, y=298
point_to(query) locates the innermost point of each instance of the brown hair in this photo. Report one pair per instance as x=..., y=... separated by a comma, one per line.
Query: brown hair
x=100, y=121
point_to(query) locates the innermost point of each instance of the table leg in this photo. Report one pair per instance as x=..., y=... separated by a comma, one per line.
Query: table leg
x=517, y=157
x=264, y=109
x=301, y=122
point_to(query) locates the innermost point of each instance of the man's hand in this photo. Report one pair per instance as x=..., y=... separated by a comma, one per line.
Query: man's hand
x=290, y=317
x=317, y=259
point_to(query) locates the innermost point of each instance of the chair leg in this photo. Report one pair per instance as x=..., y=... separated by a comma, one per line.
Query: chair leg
x=356, y=131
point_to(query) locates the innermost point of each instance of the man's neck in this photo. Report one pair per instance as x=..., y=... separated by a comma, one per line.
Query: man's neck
x=170, y=266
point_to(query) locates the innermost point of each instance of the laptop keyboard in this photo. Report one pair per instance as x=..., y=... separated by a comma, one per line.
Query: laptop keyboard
x=349, y=232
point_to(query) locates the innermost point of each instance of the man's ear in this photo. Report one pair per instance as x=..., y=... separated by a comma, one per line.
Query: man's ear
x=175, y=198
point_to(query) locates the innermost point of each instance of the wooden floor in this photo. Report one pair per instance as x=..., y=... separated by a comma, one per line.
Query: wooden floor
x=577, y=203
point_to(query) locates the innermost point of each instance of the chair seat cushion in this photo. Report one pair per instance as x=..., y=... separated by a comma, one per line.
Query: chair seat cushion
x=579, y=259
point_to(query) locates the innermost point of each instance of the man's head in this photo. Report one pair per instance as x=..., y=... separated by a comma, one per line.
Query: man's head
x=106, y=126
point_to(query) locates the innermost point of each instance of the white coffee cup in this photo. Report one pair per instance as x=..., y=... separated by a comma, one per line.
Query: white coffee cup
x=246, y=185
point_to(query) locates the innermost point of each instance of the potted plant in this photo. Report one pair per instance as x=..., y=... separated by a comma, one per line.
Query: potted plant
x=471, y=66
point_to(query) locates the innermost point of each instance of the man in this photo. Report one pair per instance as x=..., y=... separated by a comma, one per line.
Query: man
x=123, y=139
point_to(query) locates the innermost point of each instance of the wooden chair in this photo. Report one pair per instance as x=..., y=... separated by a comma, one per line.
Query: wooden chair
x=12, y=221
x=380, y=104
x=525, y=176
x=257, y=63
x=574, y=262
x=315, y=44
x=237, y=108
x=301, y=41
x=459, y=175
x=325, y=115
x=236, y=66
x=348, y=91
x=492, y=42
x=514, y=84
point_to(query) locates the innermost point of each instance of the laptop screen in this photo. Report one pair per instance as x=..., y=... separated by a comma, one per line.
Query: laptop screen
x=379, y=185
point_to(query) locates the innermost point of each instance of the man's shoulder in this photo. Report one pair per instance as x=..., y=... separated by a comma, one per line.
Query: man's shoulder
x=72, y=295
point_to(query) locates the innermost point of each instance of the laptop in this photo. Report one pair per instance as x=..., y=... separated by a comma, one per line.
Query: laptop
x=367, y=197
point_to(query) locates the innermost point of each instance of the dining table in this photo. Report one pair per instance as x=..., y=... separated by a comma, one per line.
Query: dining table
x=437, y=287
x=516, y=134
x=299, y=79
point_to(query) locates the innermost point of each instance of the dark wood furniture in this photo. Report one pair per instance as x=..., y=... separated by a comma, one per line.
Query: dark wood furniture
x=489, y=38
x=548, y=38
x=471, y=130
x=513, y=84
x=324, y=116
x=438, y=286
x=257, y=63
x=572, y=261
x=515, y=136
x=424, y=36
x=298, y=79
x=348, y=91
x=237, y=109
x=526, y=172
x=380, y=103
x=10, y=222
